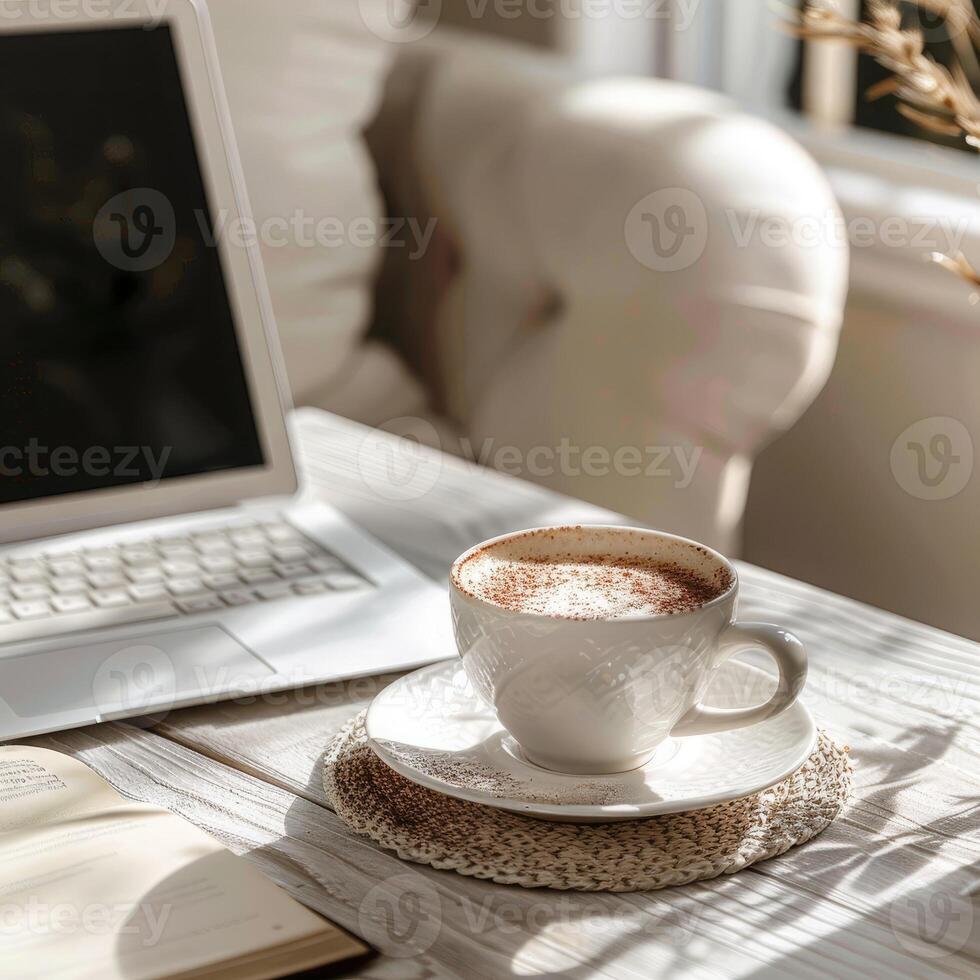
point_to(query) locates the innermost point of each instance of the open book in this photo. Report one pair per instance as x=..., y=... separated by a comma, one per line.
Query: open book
x=96, y=886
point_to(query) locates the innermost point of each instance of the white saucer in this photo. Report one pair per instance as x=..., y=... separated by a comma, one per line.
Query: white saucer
x=432, y=728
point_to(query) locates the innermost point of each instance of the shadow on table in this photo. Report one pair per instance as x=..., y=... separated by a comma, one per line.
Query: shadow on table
x=930, y=917
x=432, y=922
x=457, y=925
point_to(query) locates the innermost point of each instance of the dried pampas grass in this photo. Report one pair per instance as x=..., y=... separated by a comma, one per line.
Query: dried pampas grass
x=937, y=98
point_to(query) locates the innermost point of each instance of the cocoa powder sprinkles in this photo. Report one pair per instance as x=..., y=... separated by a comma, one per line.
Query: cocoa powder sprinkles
x=573, y=573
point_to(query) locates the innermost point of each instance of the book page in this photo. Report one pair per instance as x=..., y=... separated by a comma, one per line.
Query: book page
x=96, y=886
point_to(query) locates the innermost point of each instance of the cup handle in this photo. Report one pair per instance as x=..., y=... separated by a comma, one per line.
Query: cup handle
x=790, y=656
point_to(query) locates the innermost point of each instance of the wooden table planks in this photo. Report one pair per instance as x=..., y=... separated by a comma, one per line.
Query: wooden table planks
x=902, y=695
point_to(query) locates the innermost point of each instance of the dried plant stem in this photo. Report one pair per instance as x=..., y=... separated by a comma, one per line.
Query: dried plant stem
x=964, y=30
x=936, y=97
x=958, y=264
x=933, y=96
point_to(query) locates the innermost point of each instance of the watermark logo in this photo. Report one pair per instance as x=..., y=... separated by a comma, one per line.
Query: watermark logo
x=933, y=458
x=133, y=680
x=941, y=22
x=667, y=231
x=933, y=922
x=404, y=468
x=136, y=231
x=401, y=915
x=400, y=21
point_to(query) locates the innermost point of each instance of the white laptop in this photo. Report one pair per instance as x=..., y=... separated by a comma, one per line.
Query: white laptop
x=152, y=551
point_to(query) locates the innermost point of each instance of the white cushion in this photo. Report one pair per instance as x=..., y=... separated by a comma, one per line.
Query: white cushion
x=303, y=77
x=570, y=325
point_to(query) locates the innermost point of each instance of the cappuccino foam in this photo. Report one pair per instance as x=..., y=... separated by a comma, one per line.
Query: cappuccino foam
x=531, y=575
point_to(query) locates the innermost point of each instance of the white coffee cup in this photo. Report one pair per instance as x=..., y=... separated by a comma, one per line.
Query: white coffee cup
x=599, y=695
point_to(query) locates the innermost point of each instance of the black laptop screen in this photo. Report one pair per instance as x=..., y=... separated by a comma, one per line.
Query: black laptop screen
x=119, y=362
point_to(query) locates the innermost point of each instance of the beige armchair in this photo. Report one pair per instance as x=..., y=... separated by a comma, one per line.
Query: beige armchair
x=638, y=372
x=619, y=288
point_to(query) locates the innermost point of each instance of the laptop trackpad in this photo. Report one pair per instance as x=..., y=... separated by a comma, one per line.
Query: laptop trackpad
x=129, y=673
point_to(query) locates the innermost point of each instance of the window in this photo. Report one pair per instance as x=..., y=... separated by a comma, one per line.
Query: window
x=837, y=86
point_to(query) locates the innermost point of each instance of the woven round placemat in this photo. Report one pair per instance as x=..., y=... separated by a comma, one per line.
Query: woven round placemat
x=426, y=827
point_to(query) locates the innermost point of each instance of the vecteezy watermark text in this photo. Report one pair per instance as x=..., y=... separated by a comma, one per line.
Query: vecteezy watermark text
x=404, y=21
x=126, y=462
x=407, y=468
x=137, y=230
x=670, y=229
x=40, y=918
x=306, y=231
x=676, y=463
x=679, y=13
x=150, y=13
x=936, y=232
x=403, y=917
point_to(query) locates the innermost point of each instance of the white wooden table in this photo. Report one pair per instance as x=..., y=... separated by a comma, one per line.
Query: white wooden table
x=891, y=889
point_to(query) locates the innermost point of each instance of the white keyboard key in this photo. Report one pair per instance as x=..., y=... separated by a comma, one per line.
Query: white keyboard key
x=173, y=541
x=91, y=553
x=325, y=563
x=90, y=619
x=254, y=559
x=312, y=586
x=178, y=552
x=281, y=532
x=342, y=581
x=218, y=563
x=200, y=604
x=66, y=566
x=70, y=603
x=32, y=590
x=185, y=586
x=138, y=556
x=255, y=576
x=209, y=544
x=65, y=586
x=240, y=597
x=179, y=569
x=149, y=574
x=28, y=571
x=276, y=591
x=102, y=563
x=30, y=610
x=106, y=580
x=295, y=570
x=146, y=591
x=222, y=583
x=105, y=598
x=5, y=616
x=247, y=539
x=290, y=552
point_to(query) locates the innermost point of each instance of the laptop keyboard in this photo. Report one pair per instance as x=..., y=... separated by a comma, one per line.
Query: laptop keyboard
x=208, y=570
